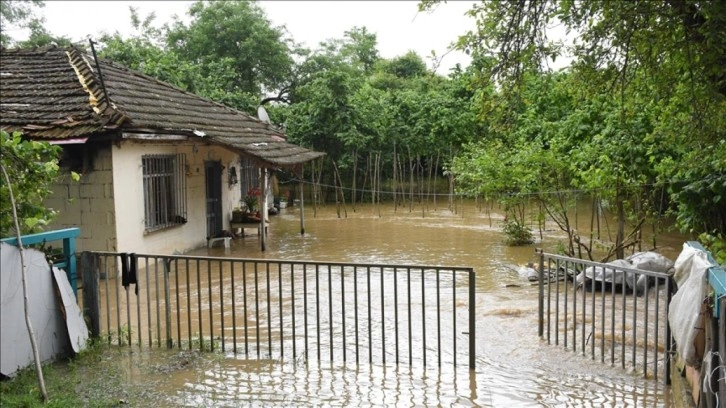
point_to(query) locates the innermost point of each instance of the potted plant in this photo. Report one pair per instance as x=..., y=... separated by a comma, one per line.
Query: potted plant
x=252, y=199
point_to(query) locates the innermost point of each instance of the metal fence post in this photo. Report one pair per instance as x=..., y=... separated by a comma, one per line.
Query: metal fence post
x=472, y=319
x=91, y=292
x=167, y=303
x=540, y=327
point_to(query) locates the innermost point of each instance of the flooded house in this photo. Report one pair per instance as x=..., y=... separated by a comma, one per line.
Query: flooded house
x=161, y=169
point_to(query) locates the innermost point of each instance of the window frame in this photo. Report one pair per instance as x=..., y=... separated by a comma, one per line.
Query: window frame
x=164, y=186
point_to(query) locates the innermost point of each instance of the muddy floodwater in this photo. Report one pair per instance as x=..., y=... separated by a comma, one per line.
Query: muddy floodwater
x=514, y=368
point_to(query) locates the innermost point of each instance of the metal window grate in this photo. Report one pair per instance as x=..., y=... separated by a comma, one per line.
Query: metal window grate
x=164, y=191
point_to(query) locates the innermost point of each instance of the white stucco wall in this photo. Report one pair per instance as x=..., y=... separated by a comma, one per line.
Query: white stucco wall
x=87, y=204
x=129, y=206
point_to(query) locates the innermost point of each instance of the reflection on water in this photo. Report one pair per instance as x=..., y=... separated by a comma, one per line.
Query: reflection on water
x=514, y=368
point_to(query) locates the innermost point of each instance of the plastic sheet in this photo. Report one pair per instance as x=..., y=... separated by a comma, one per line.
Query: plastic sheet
x=686, y=305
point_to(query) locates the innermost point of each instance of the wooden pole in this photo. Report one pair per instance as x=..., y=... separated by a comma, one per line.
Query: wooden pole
x=301, y=176
x=263, y=210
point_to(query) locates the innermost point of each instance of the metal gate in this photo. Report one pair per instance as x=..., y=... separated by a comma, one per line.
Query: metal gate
x=263, y=309
x=618, y=324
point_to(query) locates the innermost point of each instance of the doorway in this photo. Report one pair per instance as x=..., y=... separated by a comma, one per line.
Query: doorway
x=213, y=186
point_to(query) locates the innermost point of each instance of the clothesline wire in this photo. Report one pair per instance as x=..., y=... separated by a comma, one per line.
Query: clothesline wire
x=512, y=194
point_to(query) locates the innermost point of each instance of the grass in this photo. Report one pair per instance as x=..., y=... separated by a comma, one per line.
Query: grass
x=100, y=376
x=84, y=381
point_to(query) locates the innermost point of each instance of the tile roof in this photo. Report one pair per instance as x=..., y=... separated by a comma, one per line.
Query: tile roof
x=56, y=93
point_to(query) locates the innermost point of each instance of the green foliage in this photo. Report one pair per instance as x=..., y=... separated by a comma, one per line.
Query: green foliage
x=239, y=33
x=41, y=37
x=716, y=244
x=640, y=109
x=16, y=13
x=517, y=233
x=32, y=167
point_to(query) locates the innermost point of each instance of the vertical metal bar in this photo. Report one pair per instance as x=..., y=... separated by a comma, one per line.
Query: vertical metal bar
x=612, y=324
x=234, y=308
x=148, y=302
x=211, y=307
x=128, y=314
x=189, y=306
x=269, y=310
x=423, y=314
x=557, y=302
x=602, y=318
x=330, y=309
x=593, y=329
x=635, y=324
x=157, y=295
x=565, y=317
x=668, y=334
x=199, y=306
x=279, y=301
x=645, y=332
x=472, y=319
x=245, y=314
x=292, y=314
x=257, y=310
x=222, y=335
x=453, y=287
x=657, y=333
x=410, y=330
x=574, y=306
x=623, y=340
x=438, y=314
x=138, y=309
x=355, y=310
x=383, y=318
x=395, y=307
x=342, y=304
x=167, y=300
x=178, y=306
x=584, y=308
x=108, y=296
x=305, y=309
x=540, y=297
x=370, y=323
x=118, y=310
x=317, y=305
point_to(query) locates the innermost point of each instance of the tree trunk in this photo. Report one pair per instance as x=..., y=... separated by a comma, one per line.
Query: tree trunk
x=355, y=176
x=28, y=324
x=619, y=202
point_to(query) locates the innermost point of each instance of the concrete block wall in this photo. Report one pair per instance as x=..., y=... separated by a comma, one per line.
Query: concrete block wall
x=87, y=204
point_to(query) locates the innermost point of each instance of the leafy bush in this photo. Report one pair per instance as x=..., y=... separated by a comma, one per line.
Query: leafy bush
x=518, y=234
x=716, y=244
x=31, y=168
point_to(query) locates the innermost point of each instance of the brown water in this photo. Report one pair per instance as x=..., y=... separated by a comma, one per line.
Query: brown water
x=513, y=368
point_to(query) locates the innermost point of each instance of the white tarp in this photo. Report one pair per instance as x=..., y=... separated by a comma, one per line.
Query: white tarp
x=46, y=316
x=647, y=261
x=684, y=311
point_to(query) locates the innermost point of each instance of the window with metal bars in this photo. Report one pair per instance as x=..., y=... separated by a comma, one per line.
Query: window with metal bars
x=164, y=190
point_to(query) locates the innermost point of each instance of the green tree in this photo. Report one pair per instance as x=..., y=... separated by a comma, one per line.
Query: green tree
x=15, y=14
x=650, y=86
x=238, y=33
x=32, y=168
